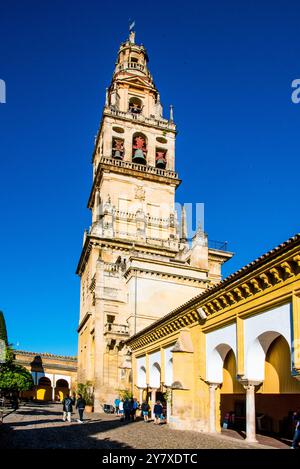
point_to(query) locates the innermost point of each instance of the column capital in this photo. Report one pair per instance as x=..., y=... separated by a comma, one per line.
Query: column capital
x=248, y=383
x=213, y=385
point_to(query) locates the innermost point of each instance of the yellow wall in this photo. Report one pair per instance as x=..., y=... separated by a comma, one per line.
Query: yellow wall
x=278, y=377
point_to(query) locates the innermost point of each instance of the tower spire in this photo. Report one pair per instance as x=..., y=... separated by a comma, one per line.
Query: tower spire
x=131, y=31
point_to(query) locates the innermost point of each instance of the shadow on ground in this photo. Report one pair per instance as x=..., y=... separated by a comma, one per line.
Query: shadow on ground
x=72, y=435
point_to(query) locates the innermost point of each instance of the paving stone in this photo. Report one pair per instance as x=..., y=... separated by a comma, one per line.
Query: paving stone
x=41, y=426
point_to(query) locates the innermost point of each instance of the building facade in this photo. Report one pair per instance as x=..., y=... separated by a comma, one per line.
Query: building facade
x=231, y=355
x=136, y=263
x=54, y=376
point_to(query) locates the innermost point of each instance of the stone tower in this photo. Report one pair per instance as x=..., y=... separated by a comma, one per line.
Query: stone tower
x=136, y=264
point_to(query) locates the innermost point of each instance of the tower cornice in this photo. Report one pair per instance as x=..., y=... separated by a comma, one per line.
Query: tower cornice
x=150, y=173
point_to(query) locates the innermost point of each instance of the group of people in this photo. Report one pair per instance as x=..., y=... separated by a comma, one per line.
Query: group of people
x=68, y=403
x=127, y=408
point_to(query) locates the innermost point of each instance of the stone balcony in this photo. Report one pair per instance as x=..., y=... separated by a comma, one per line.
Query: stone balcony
x=139, y=167
x=116, y=331
x=151, y=121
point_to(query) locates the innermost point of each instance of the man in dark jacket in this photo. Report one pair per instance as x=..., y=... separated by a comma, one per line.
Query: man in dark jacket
x=67, y=408
x=145, y=410
x=158, y=410
x=296, y=421
x=80, y=405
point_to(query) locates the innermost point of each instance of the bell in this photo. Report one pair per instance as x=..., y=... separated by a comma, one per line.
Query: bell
x=161, y=163
x=139, y=157
x=117, y=155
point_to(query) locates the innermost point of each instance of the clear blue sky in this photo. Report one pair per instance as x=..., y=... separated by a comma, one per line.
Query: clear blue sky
x=226, y=66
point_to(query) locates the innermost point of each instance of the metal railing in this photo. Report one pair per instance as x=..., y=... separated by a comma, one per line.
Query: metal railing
x=218, y=245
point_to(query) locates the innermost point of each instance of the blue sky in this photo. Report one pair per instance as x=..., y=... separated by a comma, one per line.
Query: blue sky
x=227, y=68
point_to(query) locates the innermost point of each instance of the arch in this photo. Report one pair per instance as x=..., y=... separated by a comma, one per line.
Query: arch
x=141, y=377
x=169, y=372
x=230, y=383
x=135, y=105
x=62, y=383
x=256, y=354
x=139, y=148
x=215, y=362
x=155, y=371
x=44, y=381
x=44, y=389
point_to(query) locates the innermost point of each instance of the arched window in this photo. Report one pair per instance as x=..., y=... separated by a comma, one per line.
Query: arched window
x=160, y=158
x=139, y=148
x=118, y=148
x=62, y=383
x=135, y=105
x=44, y=381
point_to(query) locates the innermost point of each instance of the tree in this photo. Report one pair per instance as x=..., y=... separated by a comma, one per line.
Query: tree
x=13, y=377
x=86, y=390
x=3, y=331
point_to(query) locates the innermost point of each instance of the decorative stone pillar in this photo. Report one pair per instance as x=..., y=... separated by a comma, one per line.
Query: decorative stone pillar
x=141, y=395
x=249, y=386
x=153, y=394
x=212, y=406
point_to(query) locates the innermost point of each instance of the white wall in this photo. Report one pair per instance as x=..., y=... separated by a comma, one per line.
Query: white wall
x=168, y=378
x=154, y=371
x=218, y=343
x=259, y=331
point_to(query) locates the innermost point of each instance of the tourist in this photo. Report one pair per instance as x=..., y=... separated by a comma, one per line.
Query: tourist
x=158, y=410
x=145, y=410
x=67, y=408
x=117, y=402
x=127, y=409
x=80, y=405
x=296, y=438
x=134, y=406
x=121, y=409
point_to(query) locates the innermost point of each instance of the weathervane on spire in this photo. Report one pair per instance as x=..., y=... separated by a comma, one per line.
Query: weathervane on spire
x=131, y=31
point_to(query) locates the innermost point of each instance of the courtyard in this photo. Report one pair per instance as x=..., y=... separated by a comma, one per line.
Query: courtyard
x=40, y=426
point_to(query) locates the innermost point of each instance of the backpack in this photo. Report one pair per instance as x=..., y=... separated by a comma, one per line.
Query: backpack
x=68, y=404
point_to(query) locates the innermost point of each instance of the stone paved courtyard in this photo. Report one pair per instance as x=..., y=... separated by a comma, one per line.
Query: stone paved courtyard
x=41, y=426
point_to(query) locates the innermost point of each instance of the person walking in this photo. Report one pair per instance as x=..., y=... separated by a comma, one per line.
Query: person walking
x=296, y=438
x=121, y=409
x=145, y=411
x=80, y=405
x=134, y=406
x=158, y=410
x=127, y=409
x=117, y=403
x=67, y=408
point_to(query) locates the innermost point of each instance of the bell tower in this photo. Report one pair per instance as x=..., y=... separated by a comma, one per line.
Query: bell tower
x=136, y=264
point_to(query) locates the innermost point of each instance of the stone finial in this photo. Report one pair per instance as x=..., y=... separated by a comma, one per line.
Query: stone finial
x=171, y=113
x=184, y=233
x=132, y=37
x=106, y=97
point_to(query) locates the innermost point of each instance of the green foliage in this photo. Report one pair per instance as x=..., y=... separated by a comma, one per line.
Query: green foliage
x=86, y=390
x=3, y=331
x=168, y=395
x=9, y=354
x=14, y=377
x=125, y=394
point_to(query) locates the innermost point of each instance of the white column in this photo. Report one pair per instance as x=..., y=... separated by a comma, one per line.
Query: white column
x=53, y=388
x=169, y=404
x=141, y=395
x=153, y=393
x=250, y=411
x=212, y=406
